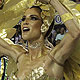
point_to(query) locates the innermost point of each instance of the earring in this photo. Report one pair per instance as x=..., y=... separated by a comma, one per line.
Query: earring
x=44, y=28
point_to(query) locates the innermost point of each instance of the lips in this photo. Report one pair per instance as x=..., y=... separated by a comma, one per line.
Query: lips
x=25, y=29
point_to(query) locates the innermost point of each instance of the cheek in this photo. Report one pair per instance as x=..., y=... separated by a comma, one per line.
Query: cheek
x=37, y=25
x=36, y=29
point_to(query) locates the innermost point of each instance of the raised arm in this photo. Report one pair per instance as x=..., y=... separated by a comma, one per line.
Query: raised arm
x=9, y=50
x=65, y=48
x=60, y=53
x=70, y=23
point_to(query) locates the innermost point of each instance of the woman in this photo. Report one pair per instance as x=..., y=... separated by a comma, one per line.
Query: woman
x=40, y=61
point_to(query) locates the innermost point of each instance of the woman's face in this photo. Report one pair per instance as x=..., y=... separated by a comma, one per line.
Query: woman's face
x=31, y=24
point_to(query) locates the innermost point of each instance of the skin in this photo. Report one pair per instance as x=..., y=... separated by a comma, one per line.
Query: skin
x=62, y=31
x=25, y=62
x=54, y=69
x=34, y=32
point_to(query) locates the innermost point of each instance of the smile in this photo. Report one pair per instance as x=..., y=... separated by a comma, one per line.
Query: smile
x=26, y=29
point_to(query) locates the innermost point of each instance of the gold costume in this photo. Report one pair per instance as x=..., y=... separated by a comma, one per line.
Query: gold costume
x=13, y=11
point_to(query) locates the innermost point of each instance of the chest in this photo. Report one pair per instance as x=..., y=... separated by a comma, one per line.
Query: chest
x=31, y=68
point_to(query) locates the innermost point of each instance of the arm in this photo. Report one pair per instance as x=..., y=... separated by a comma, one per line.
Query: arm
x=70, y=40
x=5, y=48
x=8, y=50
x=61, y=53
x=65, y=48
x=72, y=24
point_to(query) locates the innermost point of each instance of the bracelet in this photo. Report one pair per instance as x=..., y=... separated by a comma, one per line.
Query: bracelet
x=67, y=16
x=53, y=59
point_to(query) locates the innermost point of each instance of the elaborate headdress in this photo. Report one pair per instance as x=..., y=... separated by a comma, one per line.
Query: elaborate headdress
x=73, y=8
x=14, y=10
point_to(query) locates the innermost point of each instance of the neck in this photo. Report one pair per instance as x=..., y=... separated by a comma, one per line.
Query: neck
x=35, y=47
x=34, y=44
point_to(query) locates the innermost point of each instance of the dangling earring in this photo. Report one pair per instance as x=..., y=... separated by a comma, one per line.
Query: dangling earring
x=44, y=28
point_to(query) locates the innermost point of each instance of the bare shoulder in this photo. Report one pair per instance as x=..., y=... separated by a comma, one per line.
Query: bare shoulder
x=17, y=51
x=19, y=48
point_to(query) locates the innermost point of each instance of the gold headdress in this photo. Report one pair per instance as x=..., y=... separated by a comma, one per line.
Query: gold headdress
x=47, y=15
x=14, y=10
x=7, y=34
x=78, y=7
x=73, y=8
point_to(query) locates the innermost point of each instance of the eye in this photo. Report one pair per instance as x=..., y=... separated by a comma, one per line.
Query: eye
x=34, y=18
x=23, y=18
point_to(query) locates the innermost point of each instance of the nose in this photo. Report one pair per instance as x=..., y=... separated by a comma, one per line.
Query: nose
x=25, y=23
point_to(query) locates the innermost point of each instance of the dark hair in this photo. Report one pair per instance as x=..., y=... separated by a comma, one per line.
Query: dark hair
x=63, y=26
x=51, y=26
x=59, y=26
x=50, y=29
x=37, y=8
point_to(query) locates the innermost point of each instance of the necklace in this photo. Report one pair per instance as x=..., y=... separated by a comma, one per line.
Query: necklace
x=35, y=45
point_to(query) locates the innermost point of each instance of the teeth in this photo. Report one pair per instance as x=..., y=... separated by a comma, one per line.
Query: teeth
x=26, y=29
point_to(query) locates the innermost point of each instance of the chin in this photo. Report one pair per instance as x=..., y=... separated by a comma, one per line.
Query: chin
x=26, y=37
x=30, y=37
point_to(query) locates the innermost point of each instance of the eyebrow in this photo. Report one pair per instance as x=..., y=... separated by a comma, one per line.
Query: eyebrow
x=34, y=15
x=37, y=17
x=31, y=15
